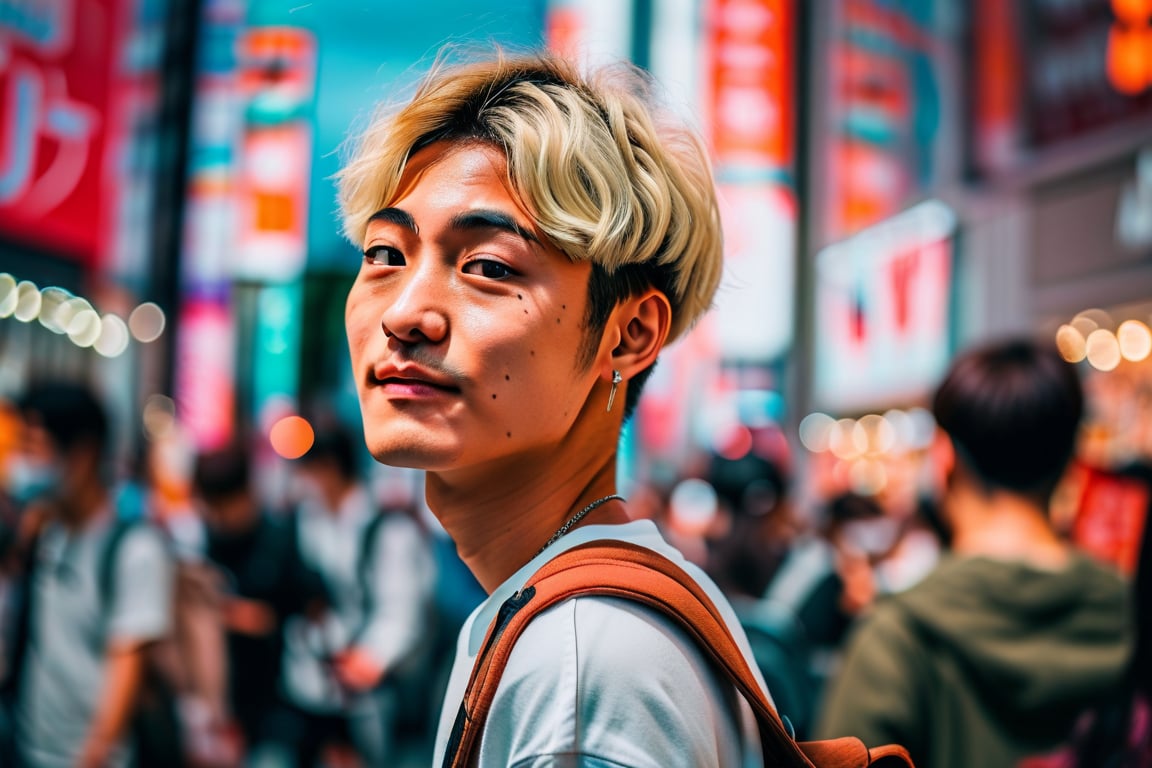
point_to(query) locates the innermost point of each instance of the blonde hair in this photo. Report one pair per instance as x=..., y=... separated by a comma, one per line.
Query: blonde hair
x=608, y=176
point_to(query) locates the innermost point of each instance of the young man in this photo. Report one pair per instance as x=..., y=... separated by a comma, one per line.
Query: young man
x=532, y=239
x=84, y=655
x=993, y=656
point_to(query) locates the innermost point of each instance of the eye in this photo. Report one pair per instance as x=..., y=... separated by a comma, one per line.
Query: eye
x=487, y=268
x=384, y=256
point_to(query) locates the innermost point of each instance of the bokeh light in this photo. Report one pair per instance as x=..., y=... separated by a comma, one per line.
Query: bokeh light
x=84, y=327
x=159, y=416
x=1135, y=340
x=147, y=322
x=1071, y=343
x=27, y=301
x=1103, y=350
x=291, y=437
x=113, y=339
x=51, y=300
x=814, y=431
x=8, y=294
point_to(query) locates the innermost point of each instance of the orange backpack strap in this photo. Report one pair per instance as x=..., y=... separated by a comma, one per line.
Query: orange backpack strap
x=619, y=569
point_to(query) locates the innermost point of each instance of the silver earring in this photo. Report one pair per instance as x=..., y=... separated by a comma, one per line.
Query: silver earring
x=616, y=379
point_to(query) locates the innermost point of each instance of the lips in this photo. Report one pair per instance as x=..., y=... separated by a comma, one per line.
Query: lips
x=410, y=379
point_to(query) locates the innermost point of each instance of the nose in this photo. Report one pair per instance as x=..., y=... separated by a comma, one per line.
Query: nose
x=418, y=312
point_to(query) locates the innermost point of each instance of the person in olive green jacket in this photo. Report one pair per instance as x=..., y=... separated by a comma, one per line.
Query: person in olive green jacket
x=995, y=655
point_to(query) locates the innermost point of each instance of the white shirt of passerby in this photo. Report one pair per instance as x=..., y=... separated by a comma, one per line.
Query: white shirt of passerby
x=64, y=665
x=400, y=573
x=598, y=681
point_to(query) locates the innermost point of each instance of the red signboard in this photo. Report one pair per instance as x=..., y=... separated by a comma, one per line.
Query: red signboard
x=57, y=60
x=749, y=83
x=1113, y=511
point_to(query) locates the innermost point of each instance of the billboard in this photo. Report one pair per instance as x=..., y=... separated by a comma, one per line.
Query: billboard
x=882, y=325
x=57, y=62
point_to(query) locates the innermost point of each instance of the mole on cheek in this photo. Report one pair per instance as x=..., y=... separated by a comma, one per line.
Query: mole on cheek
x=532, y=352
x=507, y=377
x=493, y=395
x=509, y=434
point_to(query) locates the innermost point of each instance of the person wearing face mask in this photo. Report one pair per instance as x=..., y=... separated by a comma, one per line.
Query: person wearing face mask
x=97, y=592
x=993, y=656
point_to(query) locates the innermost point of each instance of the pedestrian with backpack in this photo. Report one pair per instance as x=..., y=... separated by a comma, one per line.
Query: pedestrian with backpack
x=96, y=593
x=376, y=569
x=532, y=239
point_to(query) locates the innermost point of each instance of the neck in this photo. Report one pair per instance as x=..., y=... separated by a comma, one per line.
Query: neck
x=82, y=502
x=1003, y=526
x=499, y=525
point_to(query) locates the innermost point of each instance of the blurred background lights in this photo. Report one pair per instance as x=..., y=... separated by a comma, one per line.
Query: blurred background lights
x=1084, y=323
x=8, y=294
x=27, y=302
x=1135, y=340
x=841, y=440
x=923, y=428
x=146, y=322
x=879, y=433
x=902, y=428
x=1103, y=350
x=159, y=416
x=84, y=327
x=814, y=431
x=51, y=300
x=1071, y=343
x=291, y=437
x=113, y=339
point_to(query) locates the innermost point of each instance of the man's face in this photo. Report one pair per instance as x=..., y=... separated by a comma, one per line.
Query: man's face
x=464, y=324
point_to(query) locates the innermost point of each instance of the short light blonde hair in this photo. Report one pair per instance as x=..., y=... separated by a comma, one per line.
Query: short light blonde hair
x=608, y=175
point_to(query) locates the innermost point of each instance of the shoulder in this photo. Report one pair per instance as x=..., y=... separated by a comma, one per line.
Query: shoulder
x=138, y=542
x=616, y=680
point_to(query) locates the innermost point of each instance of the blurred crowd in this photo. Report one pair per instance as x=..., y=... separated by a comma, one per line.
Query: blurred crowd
x=314, y=626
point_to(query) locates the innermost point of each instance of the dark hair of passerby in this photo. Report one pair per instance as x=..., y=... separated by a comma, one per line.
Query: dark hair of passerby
x=847, y=506
x=1012, y=410
x=68, y=411
x=334, y=444
x=223, y=472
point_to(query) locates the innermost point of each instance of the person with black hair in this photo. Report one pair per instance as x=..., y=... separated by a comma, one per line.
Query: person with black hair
x=255, y=579
x=97, y=593
x=377, y=567
x=995, y=654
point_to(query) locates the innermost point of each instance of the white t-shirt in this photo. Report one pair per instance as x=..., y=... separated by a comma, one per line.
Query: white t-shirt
x=400, y=575
x=65, y=662
x=601, y=681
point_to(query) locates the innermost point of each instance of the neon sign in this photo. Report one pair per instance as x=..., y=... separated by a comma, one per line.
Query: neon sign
x=53, y=105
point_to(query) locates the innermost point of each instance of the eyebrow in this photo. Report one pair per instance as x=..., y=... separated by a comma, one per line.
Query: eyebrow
x=483, y=218
x=396, y=216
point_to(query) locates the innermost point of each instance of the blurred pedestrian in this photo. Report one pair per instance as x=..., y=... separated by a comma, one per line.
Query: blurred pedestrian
x=255, y=581
x=995, y=654
x=377, y=569
x=532, y=239
x=97, y=594
x=753, y=495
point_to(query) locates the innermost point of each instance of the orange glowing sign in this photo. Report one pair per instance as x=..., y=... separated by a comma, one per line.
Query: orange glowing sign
x=1130, y=47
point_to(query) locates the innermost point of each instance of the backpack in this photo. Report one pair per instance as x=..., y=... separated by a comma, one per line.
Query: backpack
x=154, y=728
x=622, y=570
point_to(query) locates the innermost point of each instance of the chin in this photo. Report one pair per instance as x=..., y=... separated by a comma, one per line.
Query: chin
x=407, y=448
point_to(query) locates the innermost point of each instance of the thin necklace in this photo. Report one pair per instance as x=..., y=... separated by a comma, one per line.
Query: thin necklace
x=577, y=518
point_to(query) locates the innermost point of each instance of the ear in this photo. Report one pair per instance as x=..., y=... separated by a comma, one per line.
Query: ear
x=942, y=454
x=636, y=332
